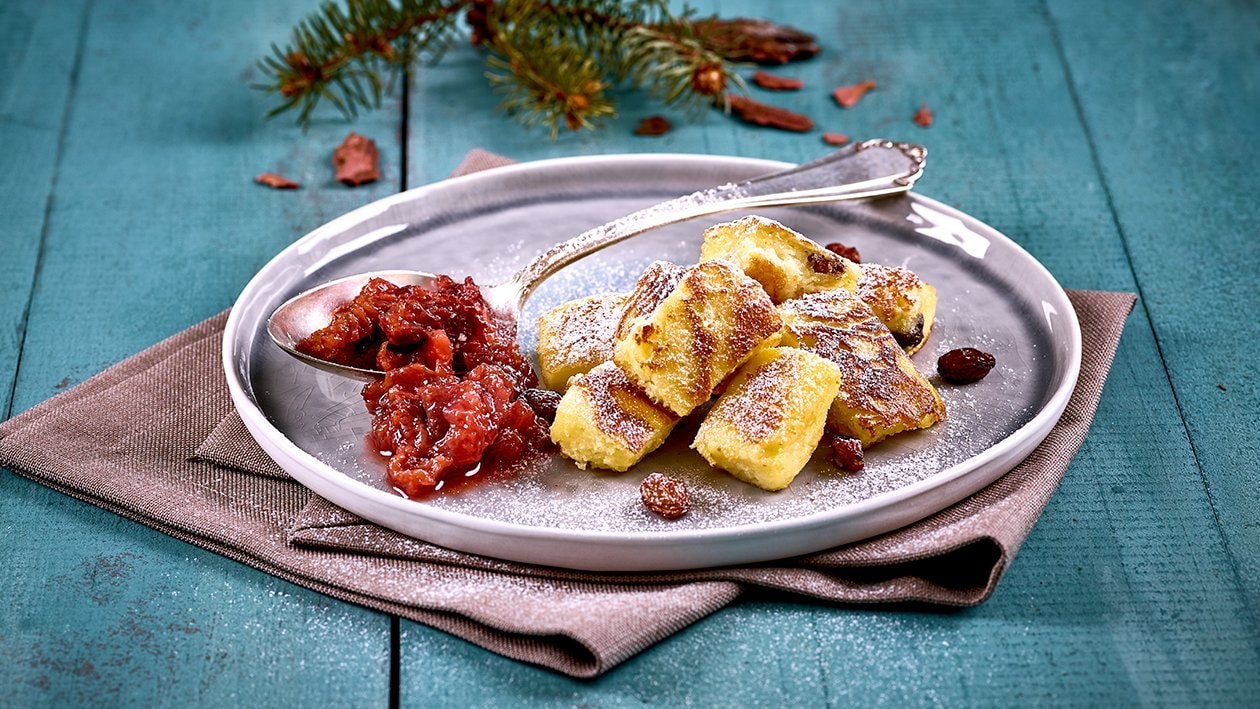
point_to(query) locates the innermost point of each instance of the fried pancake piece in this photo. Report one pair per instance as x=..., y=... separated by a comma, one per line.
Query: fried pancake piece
x=606, y=421
x=713, y=319
x=785, y=263
x=881, y=392
x=765, y=426
x=575, y=337
x=653, y=286
x=901, y=300
x=789, y=265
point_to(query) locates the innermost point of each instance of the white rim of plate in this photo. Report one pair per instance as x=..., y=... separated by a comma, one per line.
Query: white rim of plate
x=275, y=442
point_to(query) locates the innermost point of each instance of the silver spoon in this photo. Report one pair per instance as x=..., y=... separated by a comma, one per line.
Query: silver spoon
x=873, y=168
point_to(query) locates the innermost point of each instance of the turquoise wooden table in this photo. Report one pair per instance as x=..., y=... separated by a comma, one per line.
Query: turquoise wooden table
x=1114, y=141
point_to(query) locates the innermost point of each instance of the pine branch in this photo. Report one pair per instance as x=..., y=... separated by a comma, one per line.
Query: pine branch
x=547, y=85
x=339, y=54
x=553, y=61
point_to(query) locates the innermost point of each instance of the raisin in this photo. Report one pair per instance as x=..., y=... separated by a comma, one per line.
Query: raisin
x=666, y=496
x=965, y=365
x=849, y=252
x=907, y=340
x=846, y=453
x=825, y=263
x=543, y=402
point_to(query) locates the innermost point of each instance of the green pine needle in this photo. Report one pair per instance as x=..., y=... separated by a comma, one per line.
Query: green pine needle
x=553, y=62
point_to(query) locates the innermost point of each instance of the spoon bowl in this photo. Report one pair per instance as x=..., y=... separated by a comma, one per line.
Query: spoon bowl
x=874, y=168
x=311, y=310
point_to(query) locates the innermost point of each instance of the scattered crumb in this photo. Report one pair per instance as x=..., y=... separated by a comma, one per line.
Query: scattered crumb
x=772, y=82
x=275, y=181
x=923, y=116
x=848, y=96
x=356, y=160
x=653, y=125
x=762, y=114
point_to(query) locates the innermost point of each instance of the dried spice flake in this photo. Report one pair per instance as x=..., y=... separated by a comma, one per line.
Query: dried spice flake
x=356, y=160
x=848, y=96
x=835, y=139
x=760, y=41
x=761, y=114
x=653, y=125
x=772, y=82
x=666, y=496
x=275, y=181
x=923, y=116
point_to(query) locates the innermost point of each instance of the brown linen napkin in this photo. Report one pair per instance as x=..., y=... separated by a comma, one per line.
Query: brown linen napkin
x=174, y=456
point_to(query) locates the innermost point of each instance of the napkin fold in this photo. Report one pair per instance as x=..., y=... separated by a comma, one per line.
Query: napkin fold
x=155, y=439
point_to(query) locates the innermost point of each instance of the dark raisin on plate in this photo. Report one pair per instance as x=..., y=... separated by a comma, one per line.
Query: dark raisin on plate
x=543, y=402
x=666, y=496
x=846, y=453
x=965, y=365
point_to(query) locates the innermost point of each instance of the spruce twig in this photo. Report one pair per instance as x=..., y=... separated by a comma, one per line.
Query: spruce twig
x=553, y=61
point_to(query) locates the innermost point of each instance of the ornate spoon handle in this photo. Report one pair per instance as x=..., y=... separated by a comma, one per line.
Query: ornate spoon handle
x=870, y=169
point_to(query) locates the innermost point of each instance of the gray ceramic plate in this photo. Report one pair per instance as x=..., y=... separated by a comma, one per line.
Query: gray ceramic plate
x=993, y=295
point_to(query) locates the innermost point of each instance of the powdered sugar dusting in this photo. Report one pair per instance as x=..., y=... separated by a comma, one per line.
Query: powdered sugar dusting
x=608, y=391
x=978, y=307
x=579, y=334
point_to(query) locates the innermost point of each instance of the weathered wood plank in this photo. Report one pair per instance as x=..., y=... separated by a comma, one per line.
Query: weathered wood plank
x=155, y=224
x=1172, y=122
x=1119, y=593
x=1139, y=583
x=39, y=48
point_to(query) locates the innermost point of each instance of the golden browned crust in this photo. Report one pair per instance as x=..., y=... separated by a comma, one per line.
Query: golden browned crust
x=621, y=409
x=901, y=300
x=653, y=286
x=607, y=421
x=765, y=427
x=576, y=336
x=881, y=391
x=785, y=263
x=714, y=318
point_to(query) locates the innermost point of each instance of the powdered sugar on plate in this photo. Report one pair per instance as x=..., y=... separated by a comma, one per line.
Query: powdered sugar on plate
x=984, y=302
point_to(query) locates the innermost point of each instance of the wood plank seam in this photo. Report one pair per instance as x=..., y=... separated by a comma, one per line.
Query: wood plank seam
x=62, y=130
x=1096, y=161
